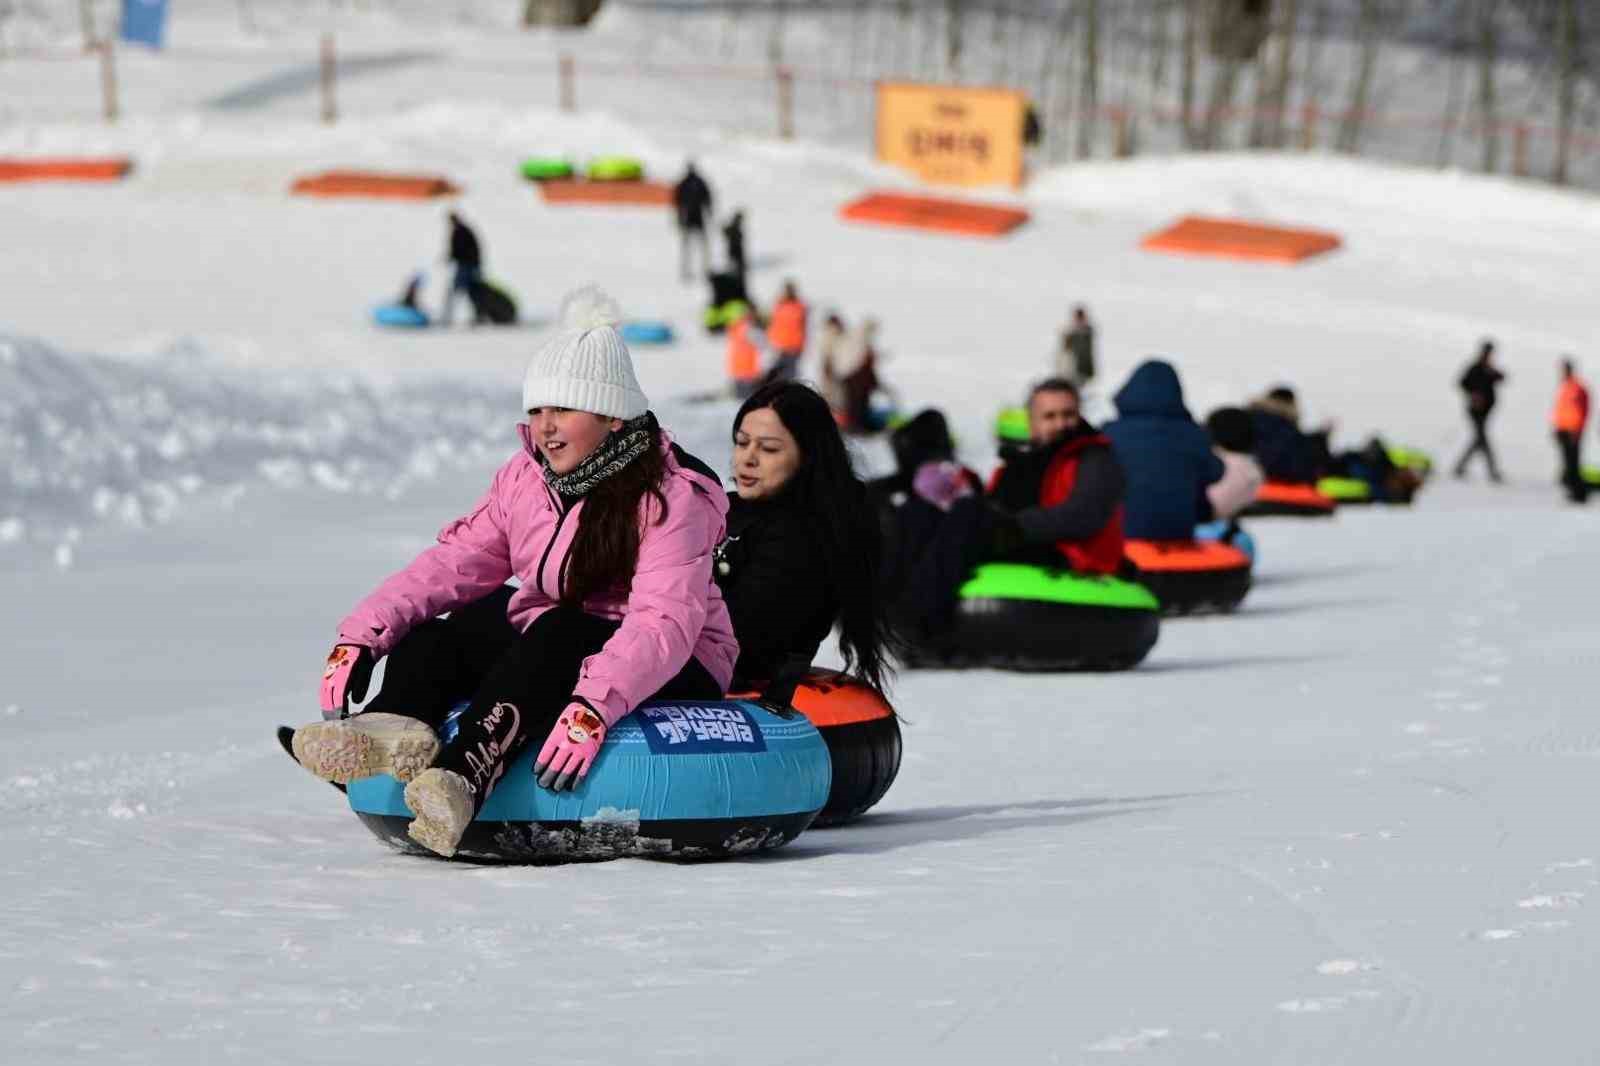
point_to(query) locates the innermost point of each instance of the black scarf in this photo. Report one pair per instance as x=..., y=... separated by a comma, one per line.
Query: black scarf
x=621, y=447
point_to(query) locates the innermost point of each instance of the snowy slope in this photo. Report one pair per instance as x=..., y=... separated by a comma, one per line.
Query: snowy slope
x=1349, y=824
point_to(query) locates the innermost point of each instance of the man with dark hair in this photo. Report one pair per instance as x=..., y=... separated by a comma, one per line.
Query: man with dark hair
x=1075, y=359
x=1567, y=418
x=692, y=199
x=467, y=254
x=1479, y=382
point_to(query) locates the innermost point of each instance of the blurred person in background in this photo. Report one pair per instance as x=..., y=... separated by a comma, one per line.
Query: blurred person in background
x=1075, y=357
x=1479, y=382
x=1567, y=418
x=692, y=200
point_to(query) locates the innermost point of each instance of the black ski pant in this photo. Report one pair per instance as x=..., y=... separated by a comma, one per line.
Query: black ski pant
x=1570, y=445
x=517, y=683
x=1480, y=445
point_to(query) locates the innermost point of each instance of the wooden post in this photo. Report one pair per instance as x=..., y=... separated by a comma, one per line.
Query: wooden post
x=569, y=82
x=1308, y=127
x=1519, y=150
x=108, y=80
x=330, y=107
x=785, y=103
x=1122, y=142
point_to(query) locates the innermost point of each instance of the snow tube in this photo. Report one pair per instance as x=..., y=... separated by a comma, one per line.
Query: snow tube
x=543, y=168
x=615, y=168
x=863, y=738
x=1591, y=476
x=1345, y=490
x=1019, y=617
x=1011, y=425
x=1415, y=460
x=647, y=333
x=1286, y=498
x=681, y=779
x=1191, y=576
x=399, y=316
x=1228, y=533
x=719, y=317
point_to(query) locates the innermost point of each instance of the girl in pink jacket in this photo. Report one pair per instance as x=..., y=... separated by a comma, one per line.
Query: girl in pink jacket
x=609, y=528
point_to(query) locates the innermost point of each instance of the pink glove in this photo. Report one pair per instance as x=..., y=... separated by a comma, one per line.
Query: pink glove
x=570, y=750
x=345, y=678
x=941, y=483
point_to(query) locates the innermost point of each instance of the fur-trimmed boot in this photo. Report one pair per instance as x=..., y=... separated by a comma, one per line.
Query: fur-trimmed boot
x=366, y=745
x=444, y=804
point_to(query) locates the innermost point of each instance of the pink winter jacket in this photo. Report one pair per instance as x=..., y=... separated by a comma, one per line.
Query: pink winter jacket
x=672, y=610
x=1236, y=489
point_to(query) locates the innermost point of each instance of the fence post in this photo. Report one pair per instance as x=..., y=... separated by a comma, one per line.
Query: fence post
x=568, y=77
x=330, y=108
x=785, y=103
x=1122, y=142
x=1308, y=127
x=108, y=80
x=1519, y=150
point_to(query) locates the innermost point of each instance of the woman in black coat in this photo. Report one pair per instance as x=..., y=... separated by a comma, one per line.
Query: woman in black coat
x=803, y=545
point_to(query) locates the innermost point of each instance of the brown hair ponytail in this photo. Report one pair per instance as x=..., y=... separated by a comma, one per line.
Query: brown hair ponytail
x=605, y=550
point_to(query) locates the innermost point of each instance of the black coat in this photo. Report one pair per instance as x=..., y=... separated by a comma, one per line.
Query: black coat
x=1480, y=383
x=774, y=577
x=464, y=248
x=692, y=198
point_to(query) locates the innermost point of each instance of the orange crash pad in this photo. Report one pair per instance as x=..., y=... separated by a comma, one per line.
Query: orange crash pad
x=365, y=183
x=934, y=213
x=108, y=169
x=632, y=193
x=1229, y=239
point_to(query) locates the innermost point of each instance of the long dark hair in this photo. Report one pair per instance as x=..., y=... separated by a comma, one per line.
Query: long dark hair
x=827, y=491
x=605, y=549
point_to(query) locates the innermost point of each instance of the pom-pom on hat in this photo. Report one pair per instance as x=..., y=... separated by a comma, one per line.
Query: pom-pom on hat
x=585, y=365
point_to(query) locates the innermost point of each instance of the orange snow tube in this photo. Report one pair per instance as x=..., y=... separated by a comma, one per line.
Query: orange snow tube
x=1232, y=239
x=934, y=213
x=863, y=738
x=1191, y=576
x=370, y=185
x=1288, y=498
x=109, y=169
x=614, y=193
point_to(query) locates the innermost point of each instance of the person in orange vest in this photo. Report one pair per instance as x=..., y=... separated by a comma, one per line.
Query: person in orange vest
x=786, y=332
x=744, y=353
x=1567, y=418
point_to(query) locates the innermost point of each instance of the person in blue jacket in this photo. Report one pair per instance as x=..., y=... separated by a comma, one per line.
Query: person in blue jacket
x=1165, y=455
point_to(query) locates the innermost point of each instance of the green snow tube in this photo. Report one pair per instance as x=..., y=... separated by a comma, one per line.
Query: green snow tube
x=1346, y=490
x=719, y=317
x=544, y=168
x=1011, y=425
x=1020, y=617
x=615, y=168
x=1591, y=476
x=1413, y=459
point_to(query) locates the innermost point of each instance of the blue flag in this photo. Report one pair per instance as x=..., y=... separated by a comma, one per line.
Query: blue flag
x=144, y=21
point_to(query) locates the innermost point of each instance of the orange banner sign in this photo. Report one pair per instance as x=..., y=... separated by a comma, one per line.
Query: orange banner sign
x=950, y=135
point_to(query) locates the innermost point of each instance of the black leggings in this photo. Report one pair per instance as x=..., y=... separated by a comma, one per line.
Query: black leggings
x=518, y=683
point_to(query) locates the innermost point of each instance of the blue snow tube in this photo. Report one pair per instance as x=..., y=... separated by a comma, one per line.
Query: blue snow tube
x=399, y=316
x=647, y=332
x=674, y=780
x=1240, y=537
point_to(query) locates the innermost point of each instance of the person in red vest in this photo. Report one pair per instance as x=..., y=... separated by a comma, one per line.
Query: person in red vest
x=786, y=333
x=744, y=353
x=1060, y=497
x=1567, y=418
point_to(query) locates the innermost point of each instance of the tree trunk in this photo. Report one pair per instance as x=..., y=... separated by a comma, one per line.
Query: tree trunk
x=1567, y=50
x=952, y=39
x=1089, y=90
x=1311, y=77
x=1356, y=113
x=1460, y=42
x=1278, y=98
x=1061, y=72
x=1191, y=47
x=1486, y=105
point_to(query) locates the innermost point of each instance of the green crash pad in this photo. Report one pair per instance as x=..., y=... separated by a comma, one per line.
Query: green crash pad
x=615, y=168
x=1018, y=581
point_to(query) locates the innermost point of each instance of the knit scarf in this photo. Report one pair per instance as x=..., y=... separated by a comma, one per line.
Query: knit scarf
x=621, y=447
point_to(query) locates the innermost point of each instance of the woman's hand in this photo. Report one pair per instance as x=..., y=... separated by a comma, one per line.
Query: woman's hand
x=570, y=749
x=345, y=678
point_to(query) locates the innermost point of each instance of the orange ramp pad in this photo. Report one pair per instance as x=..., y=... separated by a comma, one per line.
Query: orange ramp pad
x=934, y=213
x=108, y=169
x=628, y=193
x=370, y=185
x=1229, y=239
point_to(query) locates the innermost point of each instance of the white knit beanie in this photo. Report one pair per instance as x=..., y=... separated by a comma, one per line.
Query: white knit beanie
x=585, y=366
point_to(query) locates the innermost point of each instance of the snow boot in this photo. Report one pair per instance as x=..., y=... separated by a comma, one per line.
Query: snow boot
x=443, y=803
x=366, y=745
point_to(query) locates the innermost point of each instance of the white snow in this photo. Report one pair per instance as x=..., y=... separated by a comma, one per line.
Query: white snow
x=1364, y=783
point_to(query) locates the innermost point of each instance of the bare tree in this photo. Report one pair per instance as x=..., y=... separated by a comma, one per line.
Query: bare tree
x=953, y=26
x=1371, y=36
x=1089, y=91
x=1459, y=42
x=1278, y=96
x=1567, y=94
x=1191, y=49
x=1487, y=49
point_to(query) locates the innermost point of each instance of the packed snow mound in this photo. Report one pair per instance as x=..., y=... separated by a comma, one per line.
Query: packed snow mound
x=88, y=439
